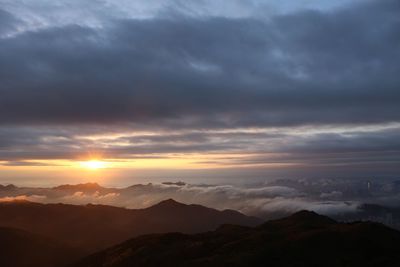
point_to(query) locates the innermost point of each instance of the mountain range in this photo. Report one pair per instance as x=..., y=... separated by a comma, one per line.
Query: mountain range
x=176, y=234
x=302, y=240
x=94, y=227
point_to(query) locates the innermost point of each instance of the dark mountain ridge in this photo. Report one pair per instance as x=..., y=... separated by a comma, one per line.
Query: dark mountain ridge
x=303, y=239
x=94, y=227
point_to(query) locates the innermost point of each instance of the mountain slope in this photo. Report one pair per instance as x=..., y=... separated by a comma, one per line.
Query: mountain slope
x=304, y=239
x=94, y=227
x=88, y=187
x=19, y=248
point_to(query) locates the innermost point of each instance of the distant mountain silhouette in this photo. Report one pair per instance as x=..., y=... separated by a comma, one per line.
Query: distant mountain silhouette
x=87, y=187
x=94, y=227
x=180, y=183
x=9, y=187
x=302, y=240
x=19, y=248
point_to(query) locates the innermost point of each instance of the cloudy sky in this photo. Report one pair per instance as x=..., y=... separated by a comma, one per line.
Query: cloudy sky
x=205, y=88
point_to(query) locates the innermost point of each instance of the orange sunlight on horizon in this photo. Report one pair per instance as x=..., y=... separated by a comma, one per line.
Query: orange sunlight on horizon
x=94, y=164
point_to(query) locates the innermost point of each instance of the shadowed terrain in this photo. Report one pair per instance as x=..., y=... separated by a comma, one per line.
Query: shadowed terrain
x=19, y=248
x=303, y=239
x=94, y=227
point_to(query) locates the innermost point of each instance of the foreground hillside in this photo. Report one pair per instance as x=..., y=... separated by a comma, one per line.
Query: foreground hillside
x=19, y=248
x=303, y=239
x=95, y=227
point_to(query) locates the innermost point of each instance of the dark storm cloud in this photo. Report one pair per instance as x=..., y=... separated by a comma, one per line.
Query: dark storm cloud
x=305, y=68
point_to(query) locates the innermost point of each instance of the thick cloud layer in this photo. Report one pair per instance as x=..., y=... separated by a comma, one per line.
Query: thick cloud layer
x=305, y=84
x=308, y=67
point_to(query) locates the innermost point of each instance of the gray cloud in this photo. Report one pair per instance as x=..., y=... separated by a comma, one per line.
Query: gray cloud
x=373, y=151
x=8, y=23
x=190, y=70
x=208, y=72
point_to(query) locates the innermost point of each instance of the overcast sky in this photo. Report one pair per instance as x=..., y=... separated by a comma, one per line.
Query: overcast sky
x=239, y=88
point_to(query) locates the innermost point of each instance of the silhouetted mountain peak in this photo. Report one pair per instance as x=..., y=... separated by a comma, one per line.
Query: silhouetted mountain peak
x=309, y=215
x=169, y=203
x=302, y=219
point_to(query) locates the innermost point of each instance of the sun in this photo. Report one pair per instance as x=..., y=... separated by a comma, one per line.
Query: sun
x=94, y=164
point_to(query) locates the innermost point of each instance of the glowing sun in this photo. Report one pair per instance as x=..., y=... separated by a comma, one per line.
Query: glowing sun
x=94, y=164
